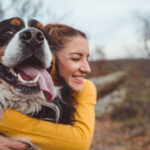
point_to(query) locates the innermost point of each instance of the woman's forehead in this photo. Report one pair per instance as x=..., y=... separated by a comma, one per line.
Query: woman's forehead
x=75, y=45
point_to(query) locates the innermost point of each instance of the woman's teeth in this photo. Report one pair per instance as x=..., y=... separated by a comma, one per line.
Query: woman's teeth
x=79, y=78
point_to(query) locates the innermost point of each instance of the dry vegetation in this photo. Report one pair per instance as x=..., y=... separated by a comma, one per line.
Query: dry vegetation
x=128, y=127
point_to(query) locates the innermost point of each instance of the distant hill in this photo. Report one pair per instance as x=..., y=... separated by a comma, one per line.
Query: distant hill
x=136, y=67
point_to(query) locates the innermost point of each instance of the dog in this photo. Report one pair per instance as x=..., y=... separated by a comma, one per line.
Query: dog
x=25, y=62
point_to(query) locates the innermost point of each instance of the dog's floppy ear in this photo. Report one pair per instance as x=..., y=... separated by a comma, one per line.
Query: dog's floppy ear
x=53, y=68
x=47, y=34
x=54, y=72
x=36, y=24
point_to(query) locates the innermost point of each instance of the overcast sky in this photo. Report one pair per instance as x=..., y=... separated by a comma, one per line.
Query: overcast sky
x=108, y=23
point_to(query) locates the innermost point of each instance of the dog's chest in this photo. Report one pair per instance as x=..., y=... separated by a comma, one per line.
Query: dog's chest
x=26, y=104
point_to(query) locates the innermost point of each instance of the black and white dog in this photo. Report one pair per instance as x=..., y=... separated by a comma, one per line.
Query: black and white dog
x=25, y=60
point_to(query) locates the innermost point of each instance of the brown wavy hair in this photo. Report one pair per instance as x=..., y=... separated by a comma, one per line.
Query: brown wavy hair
x=59, y=35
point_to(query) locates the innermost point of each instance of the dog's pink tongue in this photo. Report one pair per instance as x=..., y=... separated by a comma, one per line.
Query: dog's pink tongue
x=45, y=81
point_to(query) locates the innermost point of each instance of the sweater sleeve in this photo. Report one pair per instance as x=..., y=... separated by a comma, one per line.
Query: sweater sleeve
x=48, y=135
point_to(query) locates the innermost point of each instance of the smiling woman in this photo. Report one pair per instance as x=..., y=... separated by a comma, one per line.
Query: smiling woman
x=74, y=62
x=75, y=132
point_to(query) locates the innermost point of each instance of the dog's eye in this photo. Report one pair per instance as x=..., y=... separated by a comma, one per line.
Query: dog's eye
x=9, y=32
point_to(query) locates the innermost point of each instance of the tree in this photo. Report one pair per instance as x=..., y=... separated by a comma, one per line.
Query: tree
x=28, y=8
x=23, y=9
x=98, y=54
x=38, y=9
x=145, y=34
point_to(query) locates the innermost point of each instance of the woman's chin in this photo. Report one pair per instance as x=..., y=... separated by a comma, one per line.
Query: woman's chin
x=76, y=87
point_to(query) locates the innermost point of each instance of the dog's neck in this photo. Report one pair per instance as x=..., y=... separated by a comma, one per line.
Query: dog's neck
x=28, y=104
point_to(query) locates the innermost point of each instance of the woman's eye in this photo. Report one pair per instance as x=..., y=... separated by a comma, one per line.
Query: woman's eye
x=75, y=59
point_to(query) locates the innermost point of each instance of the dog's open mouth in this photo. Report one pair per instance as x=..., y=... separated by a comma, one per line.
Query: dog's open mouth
x=29, y=77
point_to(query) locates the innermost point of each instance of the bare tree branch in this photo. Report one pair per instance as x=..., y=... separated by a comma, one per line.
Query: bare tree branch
x=145, y=33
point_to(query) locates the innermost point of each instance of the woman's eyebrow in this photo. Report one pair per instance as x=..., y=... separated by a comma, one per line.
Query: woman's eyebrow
x=80, y=54
x=76, y=53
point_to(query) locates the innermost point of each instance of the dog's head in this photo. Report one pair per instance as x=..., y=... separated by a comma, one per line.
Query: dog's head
x=25, y=57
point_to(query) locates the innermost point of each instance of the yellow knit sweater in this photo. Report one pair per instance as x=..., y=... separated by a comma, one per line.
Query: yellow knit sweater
x=52, y=136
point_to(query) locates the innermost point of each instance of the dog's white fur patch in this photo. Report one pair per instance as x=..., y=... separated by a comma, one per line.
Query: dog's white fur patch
x=26, y=23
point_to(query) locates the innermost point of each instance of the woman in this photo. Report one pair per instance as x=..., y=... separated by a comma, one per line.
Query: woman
x=72, y=51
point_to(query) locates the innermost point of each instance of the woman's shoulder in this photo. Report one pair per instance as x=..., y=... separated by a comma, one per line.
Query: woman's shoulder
x=88, y=94
x=88, y=86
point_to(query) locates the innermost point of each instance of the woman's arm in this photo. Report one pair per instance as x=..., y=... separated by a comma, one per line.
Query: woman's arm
x=48, y=135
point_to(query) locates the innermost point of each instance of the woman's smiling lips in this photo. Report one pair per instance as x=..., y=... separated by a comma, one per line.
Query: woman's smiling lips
x=78, y=79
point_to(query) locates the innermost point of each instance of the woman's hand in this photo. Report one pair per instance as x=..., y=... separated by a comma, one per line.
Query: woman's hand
x=8, y=144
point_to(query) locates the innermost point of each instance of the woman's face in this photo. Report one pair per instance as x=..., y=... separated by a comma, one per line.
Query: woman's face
x=73, y=62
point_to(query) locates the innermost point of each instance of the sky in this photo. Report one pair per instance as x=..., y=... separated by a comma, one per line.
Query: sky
x=109, y=24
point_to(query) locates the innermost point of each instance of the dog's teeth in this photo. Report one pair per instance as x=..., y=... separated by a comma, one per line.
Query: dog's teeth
x=12, y=71
x=20, y=78
x=36, y=79
x=15, y=74
x=32, y=81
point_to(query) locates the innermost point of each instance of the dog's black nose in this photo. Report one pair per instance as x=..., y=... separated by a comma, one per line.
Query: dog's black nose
x=32, y=37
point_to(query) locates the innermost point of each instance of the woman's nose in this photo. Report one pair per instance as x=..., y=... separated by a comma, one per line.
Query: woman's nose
x=86, y=67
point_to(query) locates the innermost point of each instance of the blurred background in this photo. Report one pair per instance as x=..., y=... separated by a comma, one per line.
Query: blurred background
x=119, y=39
